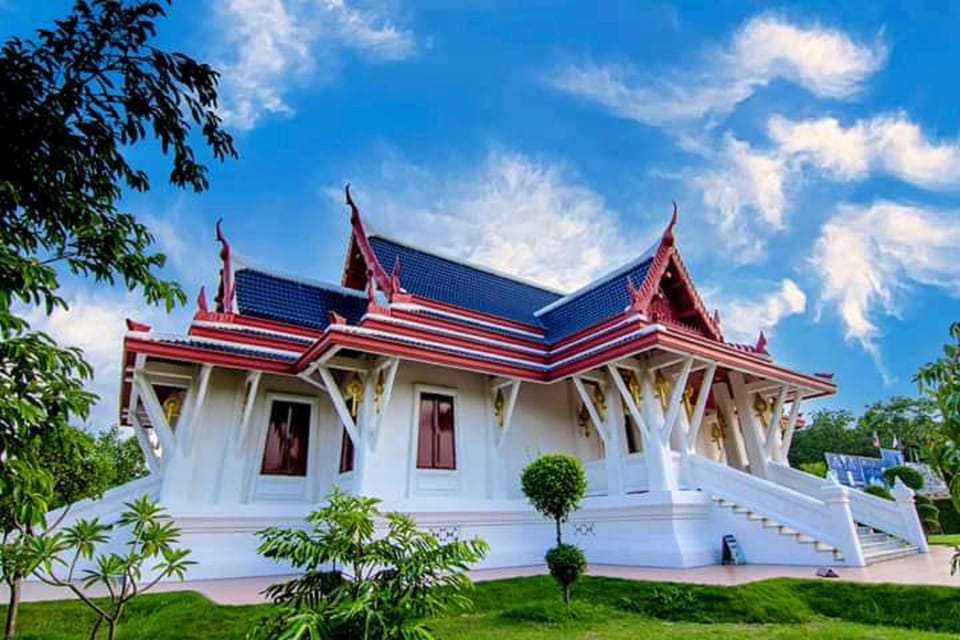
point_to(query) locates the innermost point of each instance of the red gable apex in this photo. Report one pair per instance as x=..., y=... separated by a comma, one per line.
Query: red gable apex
x=668, y=294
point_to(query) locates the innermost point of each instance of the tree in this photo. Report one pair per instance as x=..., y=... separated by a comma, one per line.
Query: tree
x=151, y=548
x=911, y=421
x=74, y=101
x=356, y=584
x=939, y=381
x=555, y=484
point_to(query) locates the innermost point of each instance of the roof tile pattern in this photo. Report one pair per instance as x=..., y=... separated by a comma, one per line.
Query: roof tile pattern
x=281, y=299
x=598, y=303
x=462, y=285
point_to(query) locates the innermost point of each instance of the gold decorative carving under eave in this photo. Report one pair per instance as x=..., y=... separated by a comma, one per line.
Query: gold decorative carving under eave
x=633, y=386
x=171, y=408
x=583, y=420
x=599, y=402
x=663, y=388
x=688, y=402
x=763, y=408
x=378, y=391
x=498, y=408
x=354, y=391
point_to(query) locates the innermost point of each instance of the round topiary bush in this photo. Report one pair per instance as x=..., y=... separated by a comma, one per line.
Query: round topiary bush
x=880, y=492
x=567, y=563
x=555, y=484
x=910, y=476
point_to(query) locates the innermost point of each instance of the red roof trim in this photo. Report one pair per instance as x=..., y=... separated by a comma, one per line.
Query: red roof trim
x=258, y=323
x=463, y=327
x=380, y=276
x=477, y=315
x=452, y=341
x=195, y=354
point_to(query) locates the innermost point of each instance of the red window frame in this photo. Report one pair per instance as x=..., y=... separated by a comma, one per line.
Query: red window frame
x=436, y=433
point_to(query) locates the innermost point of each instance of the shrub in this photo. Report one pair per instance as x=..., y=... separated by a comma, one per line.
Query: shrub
x=949, y=518
x=910, y=476
x=818, y=469
x=880, y=492
x=555, y=484
x=359, y=585
x=567, y=563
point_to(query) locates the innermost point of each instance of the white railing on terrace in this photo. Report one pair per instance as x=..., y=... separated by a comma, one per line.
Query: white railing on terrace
x=898, y=517
x=824, y=521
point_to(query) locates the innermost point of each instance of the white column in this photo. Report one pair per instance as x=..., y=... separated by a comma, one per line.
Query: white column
x=732, y=437
x=750, y=425
x=908, y=511
x=837, y=499
x=661, y=475
x=613, y=448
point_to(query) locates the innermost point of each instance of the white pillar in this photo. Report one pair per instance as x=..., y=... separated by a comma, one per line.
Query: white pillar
x=837, y=499
x=613, y=449
x=908, y=511
x=732, y=437
x=661, y=475
x=750, y=424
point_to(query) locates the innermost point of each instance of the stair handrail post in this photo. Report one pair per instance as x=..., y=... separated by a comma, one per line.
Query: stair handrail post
x=905, y=498
x=837, y=499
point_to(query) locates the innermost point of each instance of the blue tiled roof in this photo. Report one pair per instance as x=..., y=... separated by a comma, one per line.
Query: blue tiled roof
x=282, y=299
x=445, y=280
x=600, y=301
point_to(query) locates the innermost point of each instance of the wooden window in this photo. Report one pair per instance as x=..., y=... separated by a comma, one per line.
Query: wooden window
x=436, y=448
x=346, y=452
x=288, y=439
x=634, y=442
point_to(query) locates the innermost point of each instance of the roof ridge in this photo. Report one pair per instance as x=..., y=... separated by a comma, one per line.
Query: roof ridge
x=241, y=263
x=465, y=263
x=603, y=279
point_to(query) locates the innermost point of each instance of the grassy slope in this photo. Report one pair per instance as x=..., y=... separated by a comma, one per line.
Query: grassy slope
x=604, y=608
x=951, y=539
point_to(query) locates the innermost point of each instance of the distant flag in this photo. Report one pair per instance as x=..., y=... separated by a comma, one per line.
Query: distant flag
x=896, y=442
x=876, y=439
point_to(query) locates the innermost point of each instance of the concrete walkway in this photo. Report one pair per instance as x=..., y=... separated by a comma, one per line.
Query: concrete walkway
x=932, y=568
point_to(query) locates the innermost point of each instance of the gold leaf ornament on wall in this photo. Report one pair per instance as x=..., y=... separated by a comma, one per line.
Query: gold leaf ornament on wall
x=354, y=391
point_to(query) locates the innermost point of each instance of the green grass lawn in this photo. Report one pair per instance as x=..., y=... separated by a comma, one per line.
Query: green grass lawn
x=950, y=539
x=603, y=608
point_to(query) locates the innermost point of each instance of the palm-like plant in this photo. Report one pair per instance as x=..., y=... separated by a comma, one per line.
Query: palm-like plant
x=153, y=540
x=358, y=584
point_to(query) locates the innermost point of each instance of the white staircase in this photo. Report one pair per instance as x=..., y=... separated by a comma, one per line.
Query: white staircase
x=770, y=523
x=878, y=546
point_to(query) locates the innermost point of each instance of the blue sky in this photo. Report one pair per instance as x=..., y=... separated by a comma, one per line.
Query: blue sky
x=813, y=150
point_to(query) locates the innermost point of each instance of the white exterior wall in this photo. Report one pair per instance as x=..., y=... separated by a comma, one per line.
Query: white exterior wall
x=211, y=483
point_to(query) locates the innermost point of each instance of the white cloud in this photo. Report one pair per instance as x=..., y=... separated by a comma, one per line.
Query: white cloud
x=96, y=323
x=864, y=255
x=890, y=144
x=743, y=318
x=744, y=195
x=271, y=44
x=827, y=62
x=514, y=214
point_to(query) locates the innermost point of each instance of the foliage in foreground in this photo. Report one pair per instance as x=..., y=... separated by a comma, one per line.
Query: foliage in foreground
x=526, y=608
x=151, y=556
x=358, y=584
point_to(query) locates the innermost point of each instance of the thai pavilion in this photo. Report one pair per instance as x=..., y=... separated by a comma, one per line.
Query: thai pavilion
x=430, y=383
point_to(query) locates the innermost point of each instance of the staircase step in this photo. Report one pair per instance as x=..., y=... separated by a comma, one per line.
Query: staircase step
x=870, y=538
x=892, y=554
x=823, y=546
x=805, y=539
x=770, y=523
x=787, y=531
x=738, y=509
x=752, y=515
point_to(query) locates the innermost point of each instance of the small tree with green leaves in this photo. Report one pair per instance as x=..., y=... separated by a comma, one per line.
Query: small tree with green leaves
x=358, y=584
x=555, y=484
x=151, y=555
